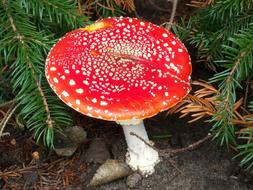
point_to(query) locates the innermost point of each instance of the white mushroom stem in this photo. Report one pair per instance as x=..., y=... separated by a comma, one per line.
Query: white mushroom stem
x=140, y=156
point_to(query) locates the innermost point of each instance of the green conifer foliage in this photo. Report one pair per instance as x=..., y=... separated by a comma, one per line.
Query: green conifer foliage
x=223, y=34
x=28, y=28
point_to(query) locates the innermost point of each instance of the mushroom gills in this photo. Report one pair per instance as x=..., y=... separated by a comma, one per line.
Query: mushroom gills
x=140, y=156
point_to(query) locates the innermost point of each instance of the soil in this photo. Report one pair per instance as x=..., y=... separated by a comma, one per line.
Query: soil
x=208, y=167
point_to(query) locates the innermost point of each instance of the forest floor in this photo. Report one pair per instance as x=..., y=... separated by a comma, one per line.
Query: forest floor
x=208, y=167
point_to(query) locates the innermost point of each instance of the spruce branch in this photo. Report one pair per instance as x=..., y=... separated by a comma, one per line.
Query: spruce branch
x=33, y=74
x=62, y=12
x=213, y=25
x=49, y=120
x=223, y=33
x=228, y=9
x=203, y=104
x=238, y=61
x=28, y=46
x=227, y=43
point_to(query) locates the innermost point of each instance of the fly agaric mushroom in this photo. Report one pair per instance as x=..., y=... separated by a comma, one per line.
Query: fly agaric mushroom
x=123, y=70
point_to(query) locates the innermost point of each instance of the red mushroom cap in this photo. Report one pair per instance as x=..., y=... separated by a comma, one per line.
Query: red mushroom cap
x=119, y=69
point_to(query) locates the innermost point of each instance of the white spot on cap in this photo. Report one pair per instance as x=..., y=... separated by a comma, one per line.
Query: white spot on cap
x=65, y=93
x=166, y=94
x=79, y=90
x=78, y=102
x=72, y=82
x=142, y=23
x=173, y=42
x=94, y=100
x=63, y=77
x=86, y=82
x=165, y=35
x=180, y=50
x=103, y=103
x=52, y=68
x=165, y=44
x=67, y=71
x=55, y=80
x=89, y=108
x=97, y=111
x=174, y=68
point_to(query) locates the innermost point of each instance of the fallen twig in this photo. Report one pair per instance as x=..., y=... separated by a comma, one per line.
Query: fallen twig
x=16, y=172
x=192, y=146
x=173, y=13
x=170, y=152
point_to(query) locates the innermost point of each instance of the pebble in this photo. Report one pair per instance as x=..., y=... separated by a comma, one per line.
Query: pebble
x=68, y=142
x=76, y=134
x=133, y=180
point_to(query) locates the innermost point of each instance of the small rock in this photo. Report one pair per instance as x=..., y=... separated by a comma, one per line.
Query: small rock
x=67, y=142
x=109, y=171
x=133, y=180
x=66, y=151
x=97, y=152
x=76, y=134
x=64, y=146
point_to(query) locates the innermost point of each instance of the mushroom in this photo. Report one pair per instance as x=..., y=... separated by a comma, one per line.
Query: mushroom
x=123, y=70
